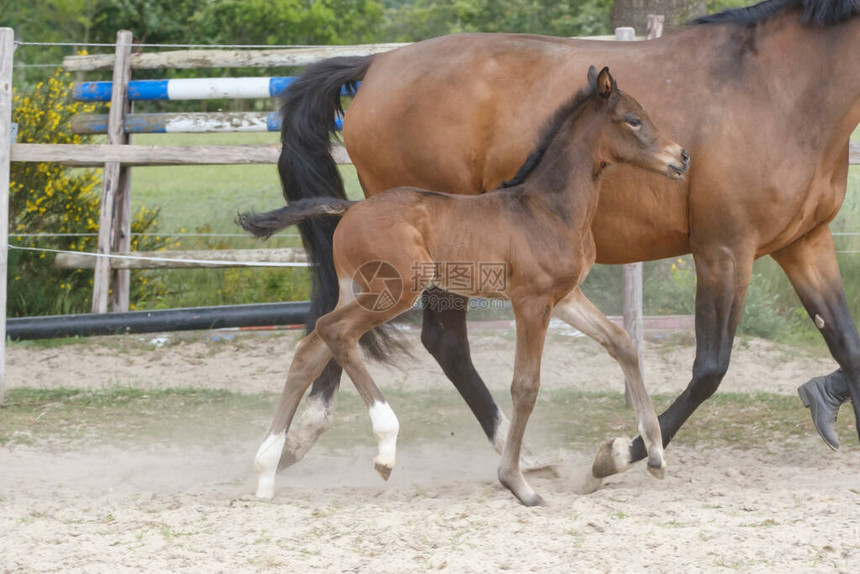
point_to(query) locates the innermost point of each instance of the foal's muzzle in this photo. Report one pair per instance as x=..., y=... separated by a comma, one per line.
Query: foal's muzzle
x=679, y=165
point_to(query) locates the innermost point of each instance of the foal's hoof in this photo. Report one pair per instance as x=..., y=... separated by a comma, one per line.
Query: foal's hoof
x=656, y=463
x=612, y=457
x=265, y=489
x=533, y=500
x=657, y=471
x=383, y=470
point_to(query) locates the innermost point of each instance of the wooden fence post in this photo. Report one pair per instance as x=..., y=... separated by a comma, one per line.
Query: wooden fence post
x=122, y=232
x=631, y=275
x=109, y=205
x=7, y=47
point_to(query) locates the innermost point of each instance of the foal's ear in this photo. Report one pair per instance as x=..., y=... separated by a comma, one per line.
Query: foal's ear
x=605, y=83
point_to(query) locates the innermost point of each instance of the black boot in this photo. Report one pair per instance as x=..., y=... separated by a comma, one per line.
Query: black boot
x=823, y=396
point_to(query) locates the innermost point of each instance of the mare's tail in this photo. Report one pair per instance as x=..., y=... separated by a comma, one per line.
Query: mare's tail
x=308, y=171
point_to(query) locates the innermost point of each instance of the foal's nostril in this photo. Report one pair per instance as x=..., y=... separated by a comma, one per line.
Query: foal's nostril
x=685, y=157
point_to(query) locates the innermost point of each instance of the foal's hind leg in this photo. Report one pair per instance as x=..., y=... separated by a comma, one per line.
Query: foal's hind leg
x=532, y=321
x=614, y=457
x=341, y=330
x=310, y=358
x=317, y=415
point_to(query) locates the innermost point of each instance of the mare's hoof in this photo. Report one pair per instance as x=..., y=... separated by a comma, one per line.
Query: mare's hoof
x=384, y=471
x=612, y=457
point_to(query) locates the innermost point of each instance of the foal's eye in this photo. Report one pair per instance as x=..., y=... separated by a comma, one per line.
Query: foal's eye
x=634, y=122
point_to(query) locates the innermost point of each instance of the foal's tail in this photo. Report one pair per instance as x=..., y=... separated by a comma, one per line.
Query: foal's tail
x=264, y=225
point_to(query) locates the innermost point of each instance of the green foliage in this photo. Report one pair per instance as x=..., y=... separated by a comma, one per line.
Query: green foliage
x=287, y=21
x=409, y=21
x=150, y=21
x=50, y=198
x=720, y=5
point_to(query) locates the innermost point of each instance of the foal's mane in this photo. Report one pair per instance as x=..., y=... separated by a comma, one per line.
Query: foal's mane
x=548, y=132
x=819, y=12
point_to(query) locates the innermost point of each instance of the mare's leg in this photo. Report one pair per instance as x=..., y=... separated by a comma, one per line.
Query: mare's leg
x=318, y=413
x=532, y=321
x=341, y=330
x=811, y=266
x=311, y=357
x=722, y=279
x=444, y=335
x=579, y=312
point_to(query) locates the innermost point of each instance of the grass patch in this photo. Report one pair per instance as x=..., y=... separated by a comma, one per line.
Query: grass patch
x=563, y=418
x=205, y=200
x=122, y=415
x=197, y=196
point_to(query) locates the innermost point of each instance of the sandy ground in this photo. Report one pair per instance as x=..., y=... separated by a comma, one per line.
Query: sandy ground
x=185, y=508
x=245, y=362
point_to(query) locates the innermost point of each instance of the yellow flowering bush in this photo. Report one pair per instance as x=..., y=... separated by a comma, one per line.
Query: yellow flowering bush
x=49, y=198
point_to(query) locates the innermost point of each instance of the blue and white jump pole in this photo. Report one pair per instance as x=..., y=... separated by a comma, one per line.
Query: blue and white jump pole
x=188, y=89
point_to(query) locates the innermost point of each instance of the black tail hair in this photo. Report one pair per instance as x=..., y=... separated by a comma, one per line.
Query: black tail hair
x=308, y=170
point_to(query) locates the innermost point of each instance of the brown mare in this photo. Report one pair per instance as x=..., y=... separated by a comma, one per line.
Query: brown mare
x=764, y=97
x=536, y=233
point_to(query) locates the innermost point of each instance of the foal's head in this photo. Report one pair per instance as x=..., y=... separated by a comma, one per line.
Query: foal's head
x=625, y=133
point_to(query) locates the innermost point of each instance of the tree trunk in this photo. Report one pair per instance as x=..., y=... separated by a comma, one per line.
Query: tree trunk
x=635, y=13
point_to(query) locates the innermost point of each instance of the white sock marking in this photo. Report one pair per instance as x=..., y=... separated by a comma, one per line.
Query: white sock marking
x=385, y=428
x=266, y=464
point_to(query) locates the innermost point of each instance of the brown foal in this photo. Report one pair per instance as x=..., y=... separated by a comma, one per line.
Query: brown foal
x=530, y=243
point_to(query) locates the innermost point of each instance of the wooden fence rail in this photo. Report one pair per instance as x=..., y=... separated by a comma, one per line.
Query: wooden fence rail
x=86, y=155
x=187, y=59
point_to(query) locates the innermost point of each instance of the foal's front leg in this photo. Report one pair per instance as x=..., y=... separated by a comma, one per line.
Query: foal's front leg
x=614, y=456
x=532, y=318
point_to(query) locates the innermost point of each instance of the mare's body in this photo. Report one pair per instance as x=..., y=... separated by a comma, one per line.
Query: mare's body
x=771, y=95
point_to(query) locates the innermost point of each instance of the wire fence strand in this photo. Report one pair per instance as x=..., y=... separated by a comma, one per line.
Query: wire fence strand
x=164, y=259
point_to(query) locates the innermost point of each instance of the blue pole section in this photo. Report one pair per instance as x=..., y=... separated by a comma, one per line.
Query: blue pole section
x=189, y=89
